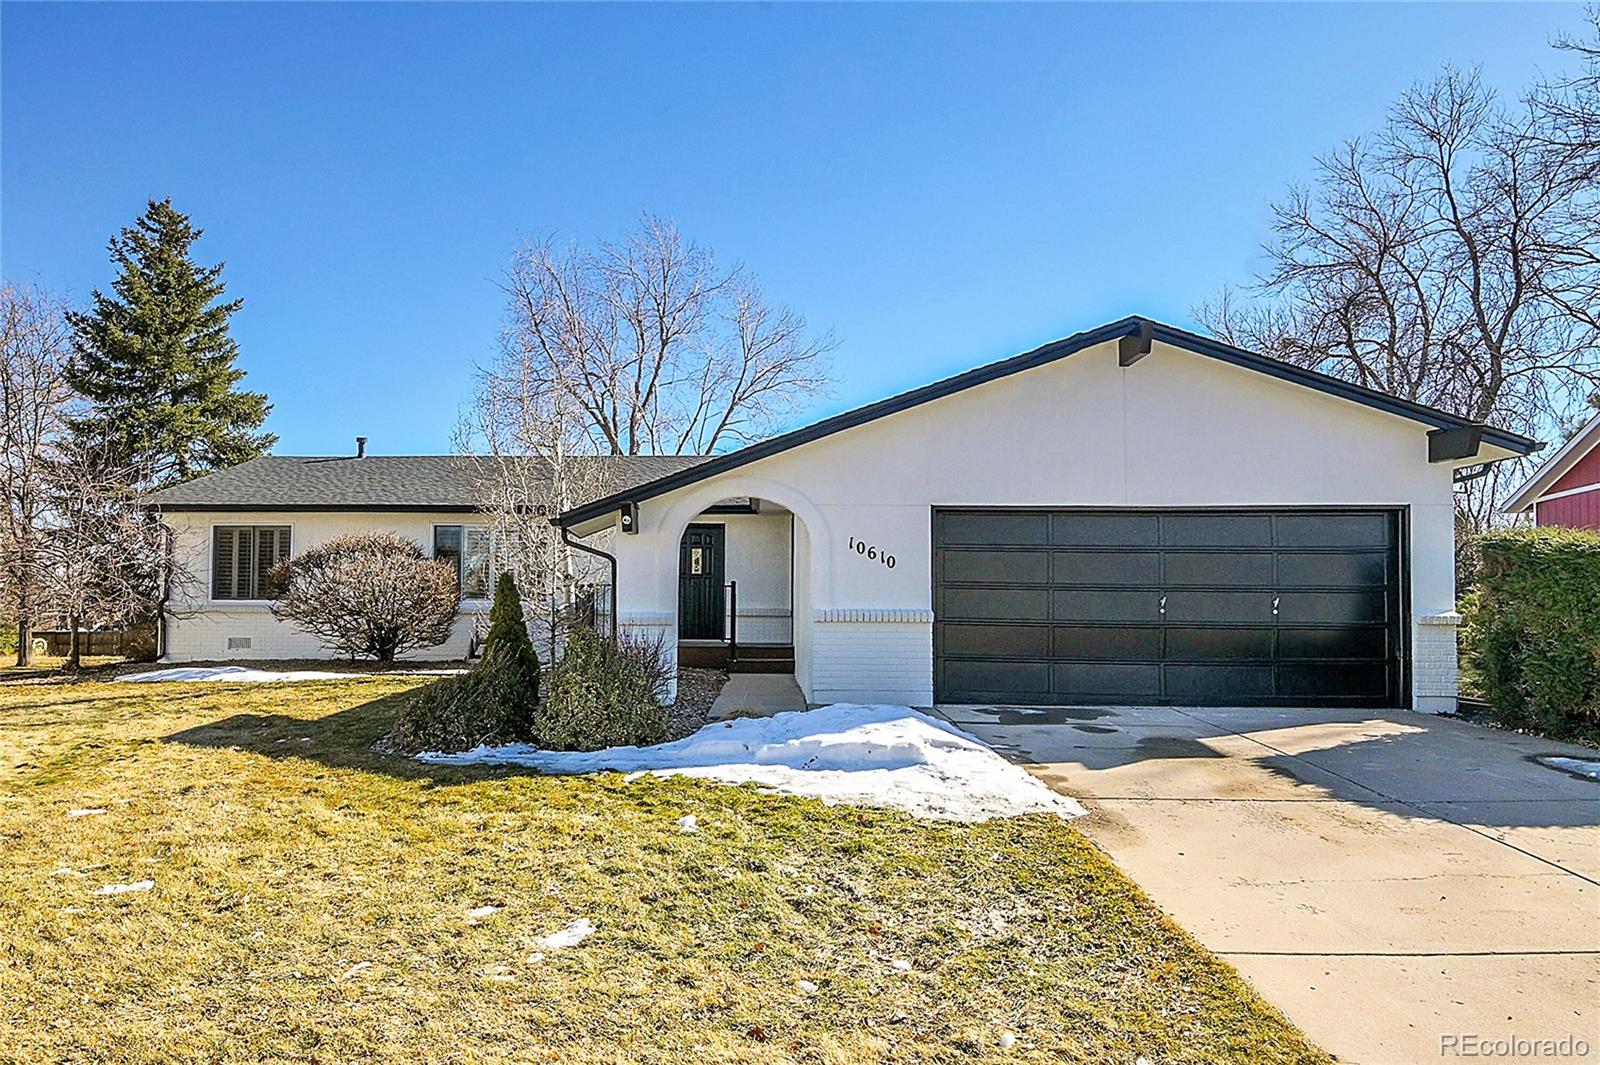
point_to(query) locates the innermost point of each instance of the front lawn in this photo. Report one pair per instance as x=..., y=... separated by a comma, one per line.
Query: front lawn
x=311, y=902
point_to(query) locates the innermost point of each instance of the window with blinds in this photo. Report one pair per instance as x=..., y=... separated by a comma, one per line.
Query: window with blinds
x=241, y=556
x=467, y=548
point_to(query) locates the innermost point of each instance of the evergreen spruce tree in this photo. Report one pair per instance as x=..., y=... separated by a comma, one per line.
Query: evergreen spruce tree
x=508, y=651
x=156, y=363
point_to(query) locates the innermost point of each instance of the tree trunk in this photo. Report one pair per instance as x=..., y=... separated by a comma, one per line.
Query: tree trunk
x=24, y=639
x=74, y=659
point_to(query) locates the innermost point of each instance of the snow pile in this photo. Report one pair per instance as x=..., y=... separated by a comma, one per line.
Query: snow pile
x=890, y=756
x=1577, y=766
x=245, y=675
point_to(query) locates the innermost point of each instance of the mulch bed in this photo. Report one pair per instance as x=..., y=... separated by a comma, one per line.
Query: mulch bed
x=697, y=690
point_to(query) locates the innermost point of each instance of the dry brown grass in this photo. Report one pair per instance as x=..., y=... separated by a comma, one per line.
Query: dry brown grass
x=285, y=854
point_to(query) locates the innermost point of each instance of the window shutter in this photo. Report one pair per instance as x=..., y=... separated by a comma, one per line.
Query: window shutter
x=222, y=569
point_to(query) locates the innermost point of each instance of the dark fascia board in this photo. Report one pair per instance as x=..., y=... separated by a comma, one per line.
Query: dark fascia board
x=387, y=508
x=1040, y=356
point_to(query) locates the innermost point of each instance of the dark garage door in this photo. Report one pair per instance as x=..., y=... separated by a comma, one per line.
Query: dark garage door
x=1220, y=608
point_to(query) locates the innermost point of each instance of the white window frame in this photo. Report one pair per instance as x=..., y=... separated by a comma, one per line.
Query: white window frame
x=461, y=562
x=211, y=559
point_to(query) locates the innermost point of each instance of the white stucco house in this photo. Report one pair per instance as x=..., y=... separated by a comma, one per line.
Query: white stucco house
x=1134, y=514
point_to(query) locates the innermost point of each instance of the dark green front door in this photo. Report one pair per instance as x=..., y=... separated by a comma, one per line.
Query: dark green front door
x=700, y=571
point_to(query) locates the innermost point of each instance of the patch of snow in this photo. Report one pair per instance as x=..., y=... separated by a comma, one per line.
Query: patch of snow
x=687, y=823
x=481, y=914
x=867, y=755
x=65, y=870
x=536, y=957
x=570, y=936
x=1007, y=1040
x=900, y=965
x=1577, y=766
x=247, y=675
x=123, y=889
x=806, y=987
x=86, y=813
x=356, y=969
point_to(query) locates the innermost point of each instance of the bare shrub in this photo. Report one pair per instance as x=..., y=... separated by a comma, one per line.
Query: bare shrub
x=372, y=595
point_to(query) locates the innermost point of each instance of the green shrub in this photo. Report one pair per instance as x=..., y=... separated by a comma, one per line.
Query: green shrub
x=497, y=702
x=603, y=694
x=508, y=652
x=8, y=637
x=1531, y=633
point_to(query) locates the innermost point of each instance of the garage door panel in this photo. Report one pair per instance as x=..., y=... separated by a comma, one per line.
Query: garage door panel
x=1234, y=608
x=1092, y=605
x=1216, y=530
x=1344, y=680
x=1334, y=530
x=1218, y=569
x=1218, y=683
x=1329, y=570
x=1261, y=607
x=1331, y=608
x=1105, y=530
x=1026, y=641
x=998, y=604
x=1105, y=642
x=1136, y=568
x=1223, y=643
x=988, y=566
x=994, y=527
x=1090, y=680
x=997, y=677
x=1345, y=642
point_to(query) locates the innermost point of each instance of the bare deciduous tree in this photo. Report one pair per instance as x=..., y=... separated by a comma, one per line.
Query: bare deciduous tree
x=643, y=346
x=34, y=402
x=368, y=594
x=1445, y=259
x=105, y=554
x=663, y=351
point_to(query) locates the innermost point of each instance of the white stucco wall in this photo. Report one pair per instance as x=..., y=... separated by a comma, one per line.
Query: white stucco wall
x=199, y=627
x=1174, y=430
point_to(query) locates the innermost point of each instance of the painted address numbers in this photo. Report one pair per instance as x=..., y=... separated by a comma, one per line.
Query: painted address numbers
x=861, y=547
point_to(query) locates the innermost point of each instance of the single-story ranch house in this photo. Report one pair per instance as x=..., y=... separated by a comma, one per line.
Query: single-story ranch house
x=1134, y=514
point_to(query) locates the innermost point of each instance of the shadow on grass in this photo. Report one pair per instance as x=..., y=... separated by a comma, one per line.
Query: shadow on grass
x=343, y=739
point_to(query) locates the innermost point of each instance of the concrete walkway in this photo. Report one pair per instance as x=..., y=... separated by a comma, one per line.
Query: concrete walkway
x=757, y=695
x=1389, y=880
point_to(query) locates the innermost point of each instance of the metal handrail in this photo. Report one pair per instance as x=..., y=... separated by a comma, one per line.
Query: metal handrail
x=733, y=621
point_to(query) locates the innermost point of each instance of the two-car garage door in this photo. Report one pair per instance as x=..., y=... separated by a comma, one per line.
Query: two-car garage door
x=1197, y=607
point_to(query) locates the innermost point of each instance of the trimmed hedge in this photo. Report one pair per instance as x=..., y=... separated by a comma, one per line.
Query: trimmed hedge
x=497, y=702
x=1531, y=629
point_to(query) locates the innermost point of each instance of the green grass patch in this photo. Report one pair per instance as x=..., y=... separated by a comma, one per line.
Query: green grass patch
x=311, y=898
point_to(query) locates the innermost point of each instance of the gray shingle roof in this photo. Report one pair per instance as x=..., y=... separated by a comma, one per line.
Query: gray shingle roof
x=376, y=482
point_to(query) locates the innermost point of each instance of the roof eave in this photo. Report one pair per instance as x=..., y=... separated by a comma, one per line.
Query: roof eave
x=1510, y=442
x=1554, y=468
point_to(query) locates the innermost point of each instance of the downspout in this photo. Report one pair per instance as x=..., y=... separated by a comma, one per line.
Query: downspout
x=611, y=560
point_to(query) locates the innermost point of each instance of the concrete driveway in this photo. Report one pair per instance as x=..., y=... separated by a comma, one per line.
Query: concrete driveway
x=1387, y=879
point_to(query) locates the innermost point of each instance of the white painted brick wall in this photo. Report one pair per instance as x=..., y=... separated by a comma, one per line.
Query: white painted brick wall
x=204, y=636
x=872, y=662
x=1435, y=675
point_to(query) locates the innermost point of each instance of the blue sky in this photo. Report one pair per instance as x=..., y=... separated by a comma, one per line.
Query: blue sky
x=941, y=185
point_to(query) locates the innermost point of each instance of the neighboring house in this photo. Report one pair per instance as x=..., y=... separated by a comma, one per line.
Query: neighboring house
x=1134, y=514
x=1566, y=489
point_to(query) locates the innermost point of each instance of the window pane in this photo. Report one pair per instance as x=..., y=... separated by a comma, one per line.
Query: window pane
x=475, y=569
x=447, y=546
x=272, y=548
x=222, y=563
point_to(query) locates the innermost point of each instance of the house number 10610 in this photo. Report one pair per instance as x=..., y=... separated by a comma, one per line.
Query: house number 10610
x=861, y=547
